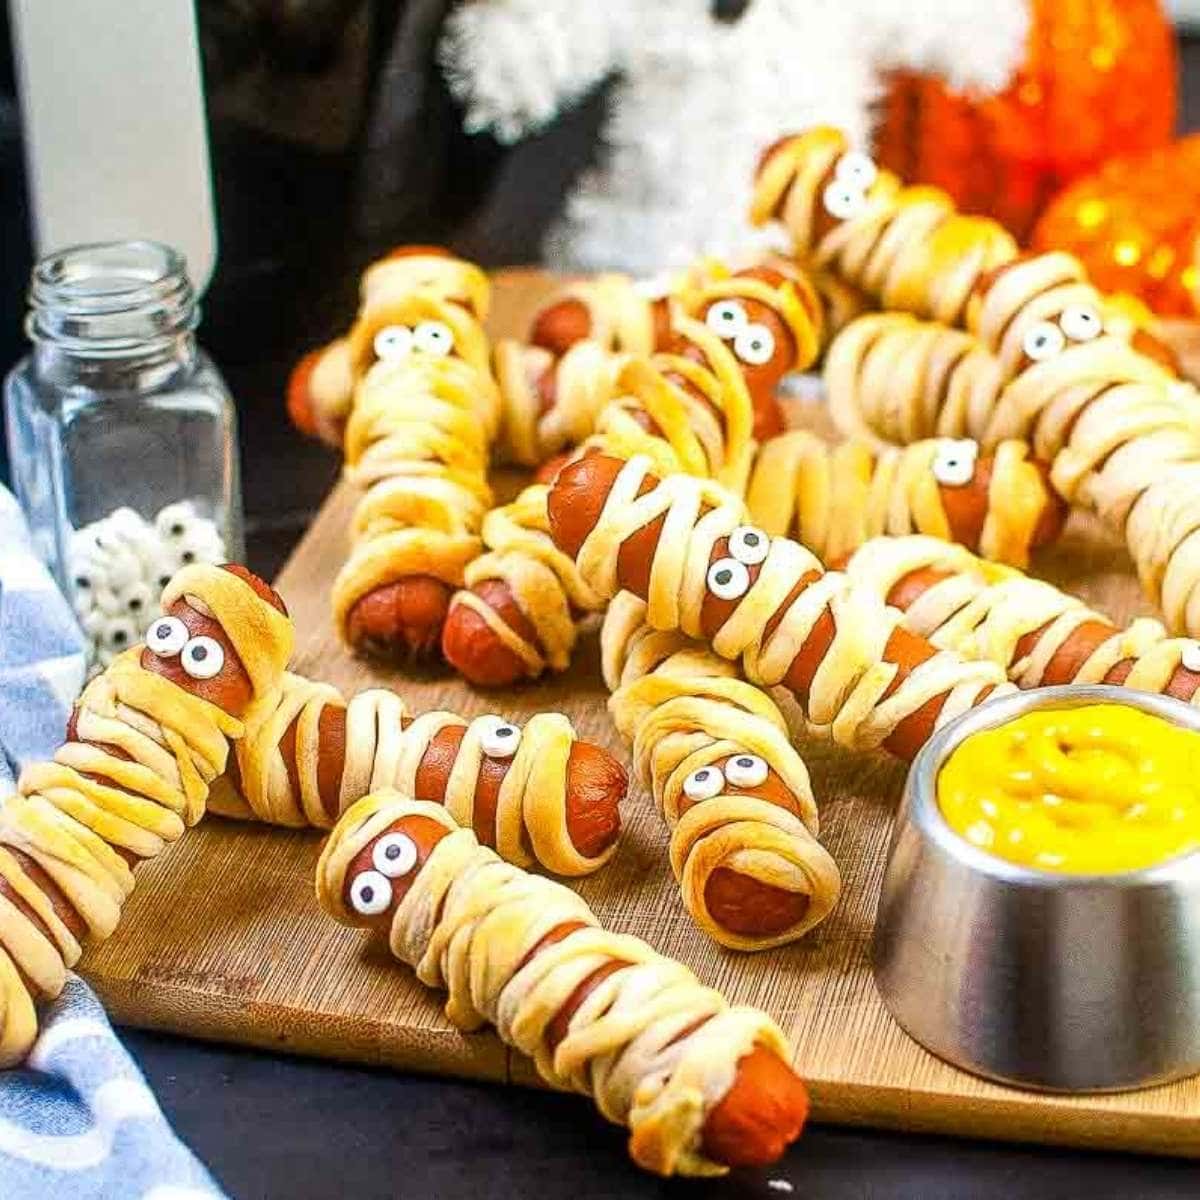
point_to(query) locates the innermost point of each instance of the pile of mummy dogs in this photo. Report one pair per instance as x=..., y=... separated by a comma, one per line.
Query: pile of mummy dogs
x=994, y=392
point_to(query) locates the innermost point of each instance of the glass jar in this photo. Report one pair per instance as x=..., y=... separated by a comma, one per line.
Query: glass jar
x=121, y=434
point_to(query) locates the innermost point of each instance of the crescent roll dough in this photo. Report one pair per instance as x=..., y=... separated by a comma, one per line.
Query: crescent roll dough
x=984, y=612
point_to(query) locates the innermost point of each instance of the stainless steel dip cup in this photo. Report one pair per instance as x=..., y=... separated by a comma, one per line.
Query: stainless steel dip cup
x=1052, y=981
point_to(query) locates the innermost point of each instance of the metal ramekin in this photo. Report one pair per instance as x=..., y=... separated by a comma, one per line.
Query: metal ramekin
x=1052, y=981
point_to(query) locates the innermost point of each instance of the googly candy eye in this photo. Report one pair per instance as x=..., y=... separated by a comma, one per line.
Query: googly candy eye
x=1043, y=340
x=392, y=342
x=749, y=545
x=726, y=318
x=499, y=739
x=166, y=637
x=138, y=600
x=1081, y=324
x=174, y=520
x=746, y=770
x=954, y=463
x=117, y=634
x=370, y=893
x=202, y=657
x=704, y=784
x=434, y=337
x=843, y=200
x=394, y=855
x=856, y=169
x=1190, y=658
x=754, y=345
x=728, y=579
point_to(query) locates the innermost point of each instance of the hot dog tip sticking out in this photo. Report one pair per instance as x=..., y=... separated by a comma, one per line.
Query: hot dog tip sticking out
x=683, y=546
x=701, y=1085
x=146, y=740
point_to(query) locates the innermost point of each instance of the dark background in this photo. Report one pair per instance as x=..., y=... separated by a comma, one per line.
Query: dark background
x=296, y=224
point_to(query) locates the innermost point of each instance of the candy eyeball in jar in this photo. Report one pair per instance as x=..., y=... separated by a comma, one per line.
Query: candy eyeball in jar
x=121, y=434
x=119, y=565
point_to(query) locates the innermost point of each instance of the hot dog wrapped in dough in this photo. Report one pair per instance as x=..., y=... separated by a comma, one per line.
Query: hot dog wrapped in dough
x=1039, y=634
x=683, y=546
x=690, y=409
x=702, y=1085
x=423, y=416
x=833, y=498
x=534, y=793
x=907, y=248
x=715, y=753
x=145, y=742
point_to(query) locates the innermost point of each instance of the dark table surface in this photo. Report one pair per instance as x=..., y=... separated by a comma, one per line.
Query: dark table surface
x=272, y=1126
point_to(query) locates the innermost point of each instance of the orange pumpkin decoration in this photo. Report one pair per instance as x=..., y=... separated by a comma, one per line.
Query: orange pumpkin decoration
x=1098, y=81
x=1134, y=225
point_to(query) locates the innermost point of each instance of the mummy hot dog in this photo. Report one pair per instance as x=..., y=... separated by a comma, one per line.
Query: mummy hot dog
x=321, y=388
x=832, y=498
x=417, y=440
x=1120, y=433
x=1040, y=635
x=147, y=738
x=682, y=545
x=690, y=410
x=715, y=753
x=701, y=1085
x=905, y=247
x=536, y=794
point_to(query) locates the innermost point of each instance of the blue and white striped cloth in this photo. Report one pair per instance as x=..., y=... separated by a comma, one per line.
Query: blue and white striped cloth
x=78, y=1119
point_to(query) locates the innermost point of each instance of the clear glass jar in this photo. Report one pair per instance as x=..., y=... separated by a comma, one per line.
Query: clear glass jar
x=121, y=434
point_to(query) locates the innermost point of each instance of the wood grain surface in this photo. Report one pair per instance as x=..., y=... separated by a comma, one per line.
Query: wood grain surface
x=223, y=938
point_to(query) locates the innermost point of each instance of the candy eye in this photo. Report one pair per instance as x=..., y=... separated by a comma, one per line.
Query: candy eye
x=1190, y=659
x=166, y=637
x=119, y=633
x=394, y=855
x=728, y=579
x=954, y=463
x=704, y=784
x=726, y=318
x=857, y=170
x=844, y=200
x=434, y=337
x=1081, y=324
x=754, y=345
x=746, y=771
x=749, y=545
x=174, y=520
x=499, y=739
x=393, y=342
x=202, y=657
x=370, y=894
x=1042, y=341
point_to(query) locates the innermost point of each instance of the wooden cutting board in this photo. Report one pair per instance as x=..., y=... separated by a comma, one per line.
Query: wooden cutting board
x=223, y=938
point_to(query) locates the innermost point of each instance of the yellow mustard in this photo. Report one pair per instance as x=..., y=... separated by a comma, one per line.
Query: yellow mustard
x=1095, y=789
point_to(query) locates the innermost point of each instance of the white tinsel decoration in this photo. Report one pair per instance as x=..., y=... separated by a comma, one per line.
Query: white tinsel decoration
x=697, y=99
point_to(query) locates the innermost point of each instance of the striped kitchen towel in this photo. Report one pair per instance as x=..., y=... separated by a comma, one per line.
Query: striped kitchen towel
x=77, y=1119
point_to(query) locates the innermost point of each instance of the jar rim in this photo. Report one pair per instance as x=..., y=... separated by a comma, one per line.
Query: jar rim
x=110, y=297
